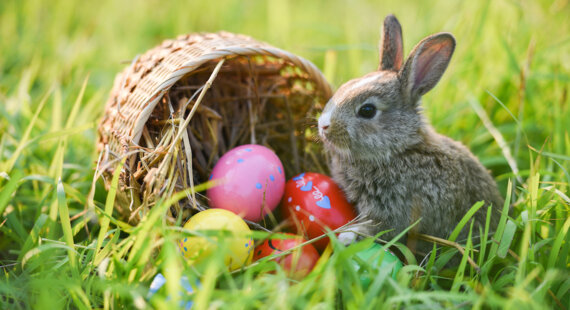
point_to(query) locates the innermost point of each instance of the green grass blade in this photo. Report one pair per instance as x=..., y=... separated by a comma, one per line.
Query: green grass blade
x=56, y=110
x=7, y=167
x=554, y=155
x=56, y=171
x=459, y=275
x=429, y=267
x=534, y=181
x=109, y=206
x=524, y=249
x=66, y=223
x=208, y=285
x=172, y=270
x=9, y=189
x=108, y=248
x=561, y=237
x=465, y=219
x=33, y=235
x=564, y=289
x=17, y=230
x=80, y=225
x=502, y=221
x=507, y=239
x=60, y=134
x=77, y=105
x=41, y=249
x=78, y=295
x=485, y=237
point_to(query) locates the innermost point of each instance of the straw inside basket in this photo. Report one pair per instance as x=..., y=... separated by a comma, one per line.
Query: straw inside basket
x=259, y=99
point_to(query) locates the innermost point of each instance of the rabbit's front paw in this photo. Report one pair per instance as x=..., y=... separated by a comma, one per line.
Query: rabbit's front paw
x=347, y=238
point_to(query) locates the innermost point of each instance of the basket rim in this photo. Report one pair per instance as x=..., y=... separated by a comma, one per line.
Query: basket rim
x=255, y=48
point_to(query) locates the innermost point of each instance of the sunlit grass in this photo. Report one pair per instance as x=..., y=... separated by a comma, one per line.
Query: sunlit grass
x=61, y=247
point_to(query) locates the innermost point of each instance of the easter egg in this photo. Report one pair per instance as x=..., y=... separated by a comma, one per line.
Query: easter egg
x=249, y=182
x=312, y=201
x=238, y=244
x=159, y=281
x=298, y=263
x=370, y=261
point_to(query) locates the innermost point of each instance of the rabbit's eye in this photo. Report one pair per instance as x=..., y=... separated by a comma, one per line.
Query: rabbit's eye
x=367, y=111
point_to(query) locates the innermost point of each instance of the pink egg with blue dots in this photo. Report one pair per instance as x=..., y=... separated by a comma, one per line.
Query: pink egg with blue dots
x=249, y=181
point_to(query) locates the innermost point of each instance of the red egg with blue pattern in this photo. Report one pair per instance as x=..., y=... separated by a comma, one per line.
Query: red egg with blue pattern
x=249, y=181
x=313, y=202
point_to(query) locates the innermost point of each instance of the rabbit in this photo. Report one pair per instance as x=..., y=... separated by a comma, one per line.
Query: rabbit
x=389, y=161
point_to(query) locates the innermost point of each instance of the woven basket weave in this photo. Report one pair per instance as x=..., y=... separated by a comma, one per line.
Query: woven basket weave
x=141, y=98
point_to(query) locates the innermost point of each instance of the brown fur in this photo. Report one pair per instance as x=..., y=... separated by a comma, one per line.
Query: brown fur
x=394, y=167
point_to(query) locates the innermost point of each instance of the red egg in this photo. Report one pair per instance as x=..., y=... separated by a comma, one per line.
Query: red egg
x=303, y=259
x=312, y=201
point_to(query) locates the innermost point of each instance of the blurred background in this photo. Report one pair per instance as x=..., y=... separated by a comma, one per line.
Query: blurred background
x=518, y=51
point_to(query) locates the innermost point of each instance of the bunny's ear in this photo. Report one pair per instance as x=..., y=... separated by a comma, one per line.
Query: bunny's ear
x=427, y=63
x=391, y=45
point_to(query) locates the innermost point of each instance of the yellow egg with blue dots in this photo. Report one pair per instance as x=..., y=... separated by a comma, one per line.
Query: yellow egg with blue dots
x=220, y=228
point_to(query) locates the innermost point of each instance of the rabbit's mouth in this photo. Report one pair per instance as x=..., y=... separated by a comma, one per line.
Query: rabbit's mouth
x=334, y=136
x=336, y=146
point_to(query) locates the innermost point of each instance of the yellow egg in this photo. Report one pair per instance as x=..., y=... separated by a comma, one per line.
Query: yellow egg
x=239, y=245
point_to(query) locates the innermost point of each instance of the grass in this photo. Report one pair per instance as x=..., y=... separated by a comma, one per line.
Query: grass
x=61, y=247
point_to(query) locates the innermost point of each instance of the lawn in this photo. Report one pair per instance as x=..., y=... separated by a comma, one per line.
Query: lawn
x=504, y=95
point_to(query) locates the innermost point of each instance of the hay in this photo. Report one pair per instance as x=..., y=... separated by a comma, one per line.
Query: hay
x=254, y=93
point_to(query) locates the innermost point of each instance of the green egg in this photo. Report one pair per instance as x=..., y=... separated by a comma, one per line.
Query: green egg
x=370, y=262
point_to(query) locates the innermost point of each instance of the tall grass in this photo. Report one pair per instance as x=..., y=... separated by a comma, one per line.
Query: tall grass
x=61, y=247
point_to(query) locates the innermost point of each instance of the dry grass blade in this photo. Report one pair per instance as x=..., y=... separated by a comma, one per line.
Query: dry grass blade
x=498, y=137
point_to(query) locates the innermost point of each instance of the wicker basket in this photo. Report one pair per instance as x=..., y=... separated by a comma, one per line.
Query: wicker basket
x=177, y=108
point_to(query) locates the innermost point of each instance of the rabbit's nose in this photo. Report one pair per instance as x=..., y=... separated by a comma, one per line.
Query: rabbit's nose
x=323, y=128
x=324, y=122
